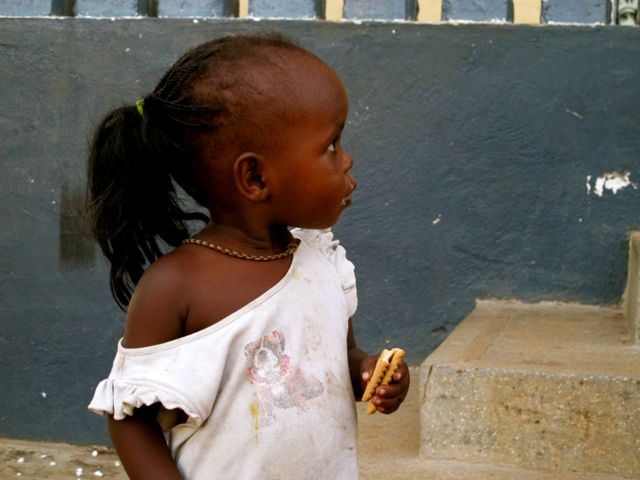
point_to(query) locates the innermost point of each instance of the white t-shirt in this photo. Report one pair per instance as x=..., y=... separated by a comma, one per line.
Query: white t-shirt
x=267, y=389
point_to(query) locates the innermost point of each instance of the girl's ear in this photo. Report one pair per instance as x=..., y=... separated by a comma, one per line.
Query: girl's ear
x=248, y=174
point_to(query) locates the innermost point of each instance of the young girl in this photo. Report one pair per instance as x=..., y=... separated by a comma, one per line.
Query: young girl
x=238, y=343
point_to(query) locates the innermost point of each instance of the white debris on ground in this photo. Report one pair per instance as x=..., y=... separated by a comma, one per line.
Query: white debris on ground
x=36, y=460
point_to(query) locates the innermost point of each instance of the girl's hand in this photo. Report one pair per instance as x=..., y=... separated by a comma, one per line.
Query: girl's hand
x=387, y=398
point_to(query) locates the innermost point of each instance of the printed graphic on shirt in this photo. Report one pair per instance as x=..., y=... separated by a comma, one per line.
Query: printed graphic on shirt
x=279, y=384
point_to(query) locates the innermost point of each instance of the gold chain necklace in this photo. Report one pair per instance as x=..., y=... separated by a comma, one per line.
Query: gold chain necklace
x=293, y=245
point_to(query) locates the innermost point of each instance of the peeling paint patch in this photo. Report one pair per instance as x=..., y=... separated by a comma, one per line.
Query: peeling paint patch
x=612, y=181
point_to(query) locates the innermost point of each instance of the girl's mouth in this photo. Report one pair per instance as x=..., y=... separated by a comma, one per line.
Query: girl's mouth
x=346, y=201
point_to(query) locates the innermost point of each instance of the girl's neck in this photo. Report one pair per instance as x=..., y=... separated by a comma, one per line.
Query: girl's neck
x=247, y=240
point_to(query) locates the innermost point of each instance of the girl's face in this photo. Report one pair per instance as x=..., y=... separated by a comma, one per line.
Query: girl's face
x=309, y=175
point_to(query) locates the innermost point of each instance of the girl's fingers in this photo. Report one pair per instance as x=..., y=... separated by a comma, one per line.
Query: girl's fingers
x=389, y=391
x=366, y=368
x=386, y=405
x=387, y=398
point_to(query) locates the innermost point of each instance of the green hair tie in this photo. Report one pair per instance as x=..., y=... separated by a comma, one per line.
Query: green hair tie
x=139, y=106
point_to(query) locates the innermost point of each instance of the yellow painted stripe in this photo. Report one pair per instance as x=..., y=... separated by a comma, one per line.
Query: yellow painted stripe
x=334, y=10
x=527, y=11
x=429, y=11
x=243, y=8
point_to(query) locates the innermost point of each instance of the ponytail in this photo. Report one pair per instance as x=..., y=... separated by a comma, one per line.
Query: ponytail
x=132, y=201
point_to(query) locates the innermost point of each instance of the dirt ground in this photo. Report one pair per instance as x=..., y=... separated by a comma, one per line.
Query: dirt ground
x=386, y=442
x=33, y=460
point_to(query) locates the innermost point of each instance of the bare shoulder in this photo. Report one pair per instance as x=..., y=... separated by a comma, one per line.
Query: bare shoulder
x=192, y=288
x=159, y=305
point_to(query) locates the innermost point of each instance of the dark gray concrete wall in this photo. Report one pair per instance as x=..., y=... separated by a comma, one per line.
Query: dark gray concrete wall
x=285, y=8
x=595, y=11
x=191, y=8
x=477, y=11
x=376, y=9
x=473, y=146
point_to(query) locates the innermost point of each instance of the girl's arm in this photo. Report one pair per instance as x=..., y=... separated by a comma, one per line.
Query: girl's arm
x=387, y=398
x=142, y=447
x=154, y=316
x=356, y=367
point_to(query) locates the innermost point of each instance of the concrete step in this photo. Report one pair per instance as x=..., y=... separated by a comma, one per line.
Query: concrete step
x=389, y=450
x=631, y=297
x=550, y=388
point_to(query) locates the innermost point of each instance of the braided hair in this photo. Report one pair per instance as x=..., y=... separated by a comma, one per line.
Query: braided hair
x=138, y=155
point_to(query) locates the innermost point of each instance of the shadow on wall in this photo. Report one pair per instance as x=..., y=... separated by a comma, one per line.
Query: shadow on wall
x=77, y=248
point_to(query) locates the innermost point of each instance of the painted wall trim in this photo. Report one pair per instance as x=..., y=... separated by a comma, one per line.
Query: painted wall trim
x=334, y=10
x=429, y=11
x=527, y=11
x=243, y=8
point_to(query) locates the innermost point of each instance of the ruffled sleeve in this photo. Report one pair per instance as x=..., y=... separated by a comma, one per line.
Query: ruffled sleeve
x=146, y=376
x=330, y=247
x=120, y=399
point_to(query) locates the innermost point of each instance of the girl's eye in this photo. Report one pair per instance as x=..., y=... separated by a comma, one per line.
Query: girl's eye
x=332, y=148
